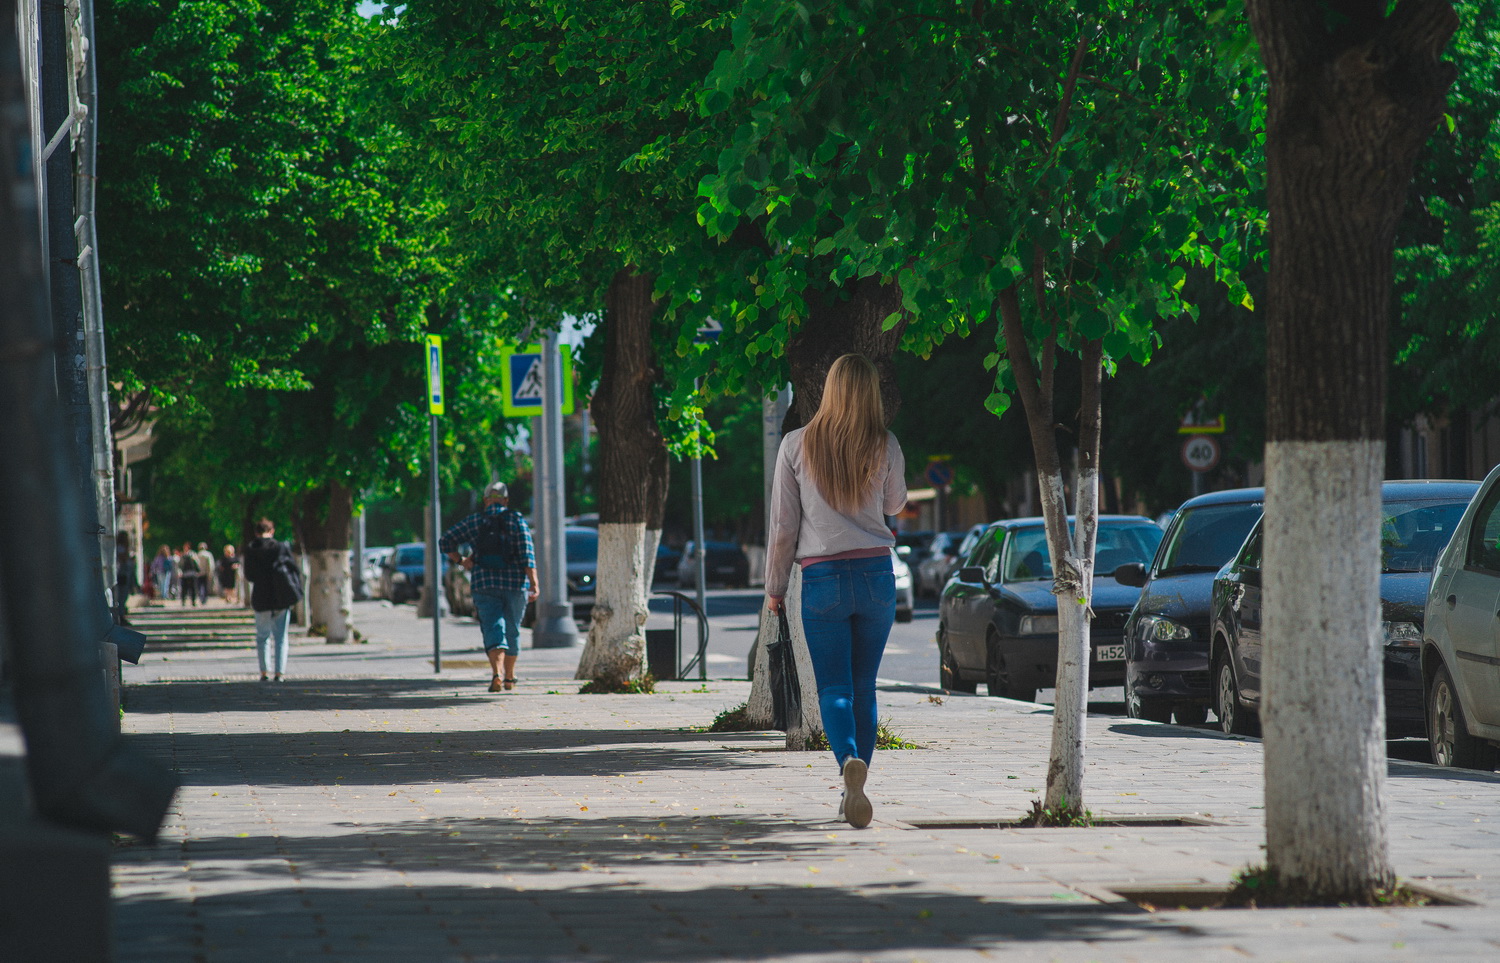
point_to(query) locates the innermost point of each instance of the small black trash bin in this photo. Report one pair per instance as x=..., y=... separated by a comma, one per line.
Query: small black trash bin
x=663, y=654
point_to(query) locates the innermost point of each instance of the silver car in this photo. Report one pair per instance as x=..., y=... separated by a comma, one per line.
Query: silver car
x=1461, y=639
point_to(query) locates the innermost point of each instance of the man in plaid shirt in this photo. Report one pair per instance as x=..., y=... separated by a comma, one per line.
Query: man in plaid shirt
x=502, y=577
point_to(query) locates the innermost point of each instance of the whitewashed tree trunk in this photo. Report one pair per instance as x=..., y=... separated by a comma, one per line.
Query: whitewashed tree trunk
x=1074, y=649
x=811, y=727
x=758, y=708
x=616, y=648
x=329, y=593
x=1323, y=708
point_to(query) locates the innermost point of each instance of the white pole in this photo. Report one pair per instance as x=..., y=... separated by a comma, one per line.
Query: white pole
x=555, y=627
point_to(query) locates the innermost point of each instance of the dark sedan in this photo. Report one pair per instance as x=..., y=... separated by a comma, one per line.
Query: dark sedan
x=724, y=563
x=1166, y=637
x=997, y=618
x=1419, y=518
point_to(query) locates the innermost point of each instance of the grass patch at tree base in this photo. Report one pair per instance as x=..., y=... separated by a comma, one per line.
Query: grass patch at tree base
x=642, y=686
x=1064, y=816
x=1259, y=887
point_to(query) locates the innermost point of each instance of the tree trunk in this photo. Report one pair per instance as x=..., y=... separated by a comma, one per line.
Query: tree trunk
x=324, y=525
x=631, y=481
x=845, y=321
x=1350, y=107
x=1072, y=553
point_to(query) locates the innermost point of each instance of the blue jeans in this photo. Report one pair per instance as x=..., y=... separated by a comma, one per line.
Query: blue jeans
x=270, y=640
x=848, y=606
x=499, y=615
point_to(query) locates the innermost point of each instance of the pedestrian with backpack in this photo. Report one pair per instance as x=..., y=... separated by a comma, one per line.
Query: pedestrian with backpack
x=275, y=586
x=836, y=480
x=502, y=577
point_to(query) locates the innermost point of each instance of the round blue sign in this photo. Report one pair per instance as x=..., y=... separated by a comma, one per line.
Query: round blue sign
x=940, y=473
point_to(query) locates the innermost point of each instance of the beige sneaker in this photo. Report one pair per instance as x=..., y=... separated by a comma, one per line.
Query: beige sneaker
x=856, y=808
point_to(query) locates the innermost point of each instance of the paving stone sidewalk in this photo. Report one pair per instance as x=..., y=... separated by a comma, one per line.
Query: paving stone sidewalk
x=384, y=814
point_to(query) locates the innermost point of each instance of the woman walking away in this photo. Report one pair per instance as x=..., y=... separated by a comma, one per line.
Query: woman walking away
x=836, y=480
x=275, y=586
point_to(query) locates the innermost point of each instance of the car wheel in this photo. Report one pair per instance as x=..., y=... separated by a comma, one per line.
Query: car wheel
x=948, y=676
x=1234, y=718
x=1150, y=708
x=998, y=677
x=1191, y=715
x=903, y=615
x=1448, y=732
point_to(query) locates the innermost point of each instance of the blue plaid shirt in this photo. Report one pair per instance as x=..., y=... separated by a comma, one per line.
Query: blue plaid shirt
x=485, y=578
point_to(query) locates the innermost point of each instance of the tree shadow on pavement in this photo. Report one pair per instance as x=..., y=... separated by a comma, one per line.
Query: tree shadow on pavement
x=393, y=759
x=1406, y=770
x=633, y=924
x=305, y=696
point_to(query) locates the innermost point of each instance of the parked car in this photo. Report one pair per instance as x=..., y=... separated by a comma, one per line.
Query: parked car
x=915, y=545
x=1461, y=639
x=906, y=598
x=370, y=570
x=457, y=591
x=403, y=572
x=1166, y=636
x=1420, y=517
x=667, y=560
x=997, y=618
x=938, y=561
x=724, y=563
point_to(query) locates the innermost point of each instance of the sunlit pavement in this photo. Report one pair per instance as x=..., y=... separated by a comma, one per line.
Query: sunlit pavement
x=371, y=809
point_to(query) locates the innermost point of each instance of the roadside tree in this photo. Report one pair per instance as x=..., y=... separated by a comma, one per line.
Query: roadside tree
x=1056, y=168
x=1356, y=88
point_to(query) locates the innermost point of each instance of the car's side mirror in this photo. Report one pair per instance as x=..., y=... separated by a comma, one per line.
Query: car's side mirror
x=972, y=573
x=1132, y=574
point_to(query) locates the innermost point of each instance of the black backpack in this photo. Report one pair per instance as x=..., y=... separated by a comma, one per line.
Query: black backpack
x=494, y=547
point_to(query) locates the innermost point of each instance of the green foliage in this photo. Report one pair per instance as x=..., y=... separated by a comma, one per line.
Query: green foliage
x=1093, y=152
x=1445, y=332
x=272, y=268
x=734, y=719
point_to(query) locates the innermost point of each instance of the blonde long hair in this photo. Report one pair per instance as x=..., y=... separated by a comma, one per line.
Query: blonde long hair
x=844, y=444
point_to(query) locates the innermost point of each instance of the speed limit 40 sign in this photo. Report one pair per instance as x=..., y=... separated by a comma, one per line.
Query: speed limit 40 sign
x=1200, y=452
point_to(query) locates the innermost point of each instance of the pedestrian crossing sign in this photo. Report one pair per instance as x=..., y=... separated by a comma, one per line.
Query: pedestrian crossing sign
x=521, y=379
x=435, y=374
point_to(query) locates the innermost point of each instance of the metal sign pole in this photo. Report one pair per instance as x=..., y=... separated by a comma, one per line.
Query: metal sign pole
x=554, y=625
x=434, y=568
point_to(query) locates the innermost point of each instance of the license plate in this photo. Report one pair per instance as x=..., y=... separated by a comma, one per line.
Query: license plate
x=1109, y=653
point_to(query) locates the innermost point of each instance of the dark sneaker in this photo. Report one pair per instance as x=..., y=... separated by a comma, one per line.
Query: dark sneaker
x=856, y=808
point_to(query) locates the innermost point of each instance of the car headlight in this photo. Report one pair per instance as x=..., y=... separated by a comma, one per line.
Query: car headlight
x=1155, y=628
x=585, y=579
x=1402, y=634
x=1038, y=625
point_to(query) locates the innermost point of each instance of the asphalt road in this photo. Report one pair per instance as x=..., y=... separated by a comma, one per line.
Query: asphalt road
x=910, y=655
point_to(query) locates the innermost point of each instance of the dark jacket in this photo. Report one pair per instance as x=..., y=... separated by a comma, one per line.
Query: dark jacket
x=273, y=573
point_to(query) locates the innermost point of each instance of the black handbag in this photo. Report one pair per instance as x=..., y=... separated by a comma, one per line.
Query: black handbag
x=786, y=690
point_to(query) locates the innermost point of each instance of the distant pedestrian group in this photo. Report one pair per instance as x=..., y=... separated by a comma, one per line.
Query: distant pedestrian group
x=192, y=575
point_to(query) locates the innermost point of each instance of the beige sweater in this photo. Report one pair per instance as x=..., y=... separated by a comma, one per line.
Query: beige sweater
x=803, y=525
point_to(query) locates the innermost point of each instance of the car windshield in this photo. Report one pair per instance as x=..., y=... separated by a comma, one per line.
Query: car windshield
x=410, y=556
x=583, y=547
x=1027, y=558
x=1206, y=537
x=1412, y=533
